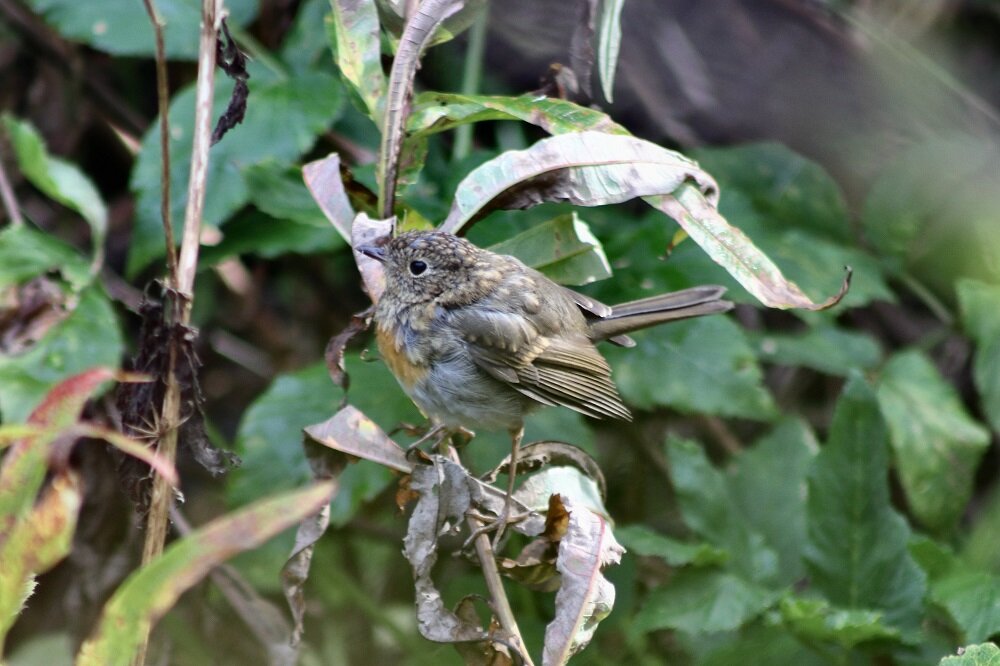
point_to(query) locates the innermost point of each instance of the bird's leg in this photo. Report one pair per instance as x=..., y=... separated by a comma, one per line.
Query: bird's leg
x=499, y=524
x=516, y=435
x=437, y=433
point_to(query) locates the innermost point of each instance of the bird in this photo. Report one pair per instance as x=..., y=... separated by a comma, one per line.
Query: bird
x=478, y=339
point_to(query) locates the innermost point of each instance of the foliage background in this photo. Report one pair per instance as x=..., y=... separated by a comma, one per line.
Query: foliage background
x=772, y=515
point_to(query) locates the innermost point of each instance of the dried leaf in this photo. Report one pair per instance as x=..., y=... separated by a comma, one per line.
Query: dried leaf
x=24, y=465
x=537, y=455
x=140, y=404
x=585, y=597
x=351, y=432
x=593, y=169
x=583, y=168
x=36, y=542
x=366, y=230
x=485, y=653
x=233, y=62
x=445, y=498
x=334, y=354
x=324, y=181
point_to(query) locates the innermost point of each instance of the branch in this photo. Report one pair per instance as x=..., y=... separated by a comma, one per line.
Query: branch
x=182, y=281
x=498, y=596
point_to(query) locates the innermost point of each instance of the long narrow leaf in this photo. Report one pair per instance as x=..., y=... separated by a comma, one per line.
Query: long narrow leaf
x=151, y=591
x=609, y=38
x=596, y=169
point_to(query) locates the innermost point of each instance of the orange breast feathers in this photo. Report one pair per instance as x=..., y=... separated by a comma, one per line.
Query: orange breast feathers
x=405, y=371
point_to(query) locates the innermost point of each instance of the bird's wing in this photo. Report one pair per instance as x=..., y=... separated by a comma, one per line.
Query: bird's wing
x=553, y=369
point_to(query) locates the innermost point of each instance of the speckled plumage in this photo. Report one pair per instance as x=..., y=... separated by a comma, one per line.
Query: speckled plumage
x=477, y=339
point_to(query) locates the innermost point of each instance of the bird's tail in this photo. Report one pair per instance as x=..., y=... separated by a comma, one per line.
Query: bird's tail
x=654, y=310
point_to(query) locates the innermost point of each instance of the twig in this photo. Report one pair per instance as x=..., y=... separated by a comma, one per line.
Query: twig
x=927, y=297
x=498, y=596
x=163, y=106
x=9, y=200
x=183, y=282
x=730, y=442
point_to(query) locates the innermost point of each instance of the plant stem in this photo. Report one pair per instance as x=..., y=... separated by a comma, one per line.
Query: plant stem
x=927, y=297
x=163, y=107
x=494, y=584
x=9, y=200
x=471, y=76
x=182, y=282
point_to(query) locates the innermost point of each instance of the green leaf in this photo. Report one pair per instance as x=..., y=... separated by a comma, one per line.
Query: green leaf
x=856, y=552
x=979, y=303
x=282, y=122
x=641, y=540
x=767, y=486
x=972, y=598
x=88, y=337
x=58, y=179
x=563, y=248
x=825, y=348
x=305, y=48
x=26, y=253
x=937, y=445
x=985, y=654
x=797, y=216
x=150, y=592
x=270, y=435
x=937, y=193
x=122, y=27
x=817, y=620
x=760, y=644
x=701, y=365
x=701, y=601
x=609, y=37
x=980, y=546
x=289, y=219
x=713, y=514
x=785, y=189
x=353, y=28
x=437, y=112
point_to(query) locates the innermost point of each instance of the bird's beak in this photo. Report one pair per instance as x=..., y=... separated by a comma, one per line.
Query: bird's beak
x=373, y=251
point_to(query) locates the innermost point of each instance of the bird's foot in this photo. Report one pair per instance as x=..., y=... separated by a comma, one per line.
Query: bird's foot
x=497, y=525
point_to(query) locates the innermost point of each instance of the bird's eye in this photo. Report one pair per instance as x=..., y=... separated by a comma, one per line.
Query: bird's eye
x=417, y=267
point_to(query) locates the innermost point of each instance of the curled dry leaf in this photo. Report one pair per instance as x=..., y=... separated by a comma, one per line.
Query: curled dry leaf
x=485, y=653
x=445, y=498
x=367, y=230
x=595, y=169
x=323, y=179
x=537, y=455
x=582, y=168
x=350, y=431
x=334, y=354
x=585, y=596
x=447, y=492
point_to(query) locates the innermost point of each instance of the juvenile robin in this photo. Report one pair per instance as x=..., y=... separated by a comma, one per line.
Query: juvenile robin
x=478, y=339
